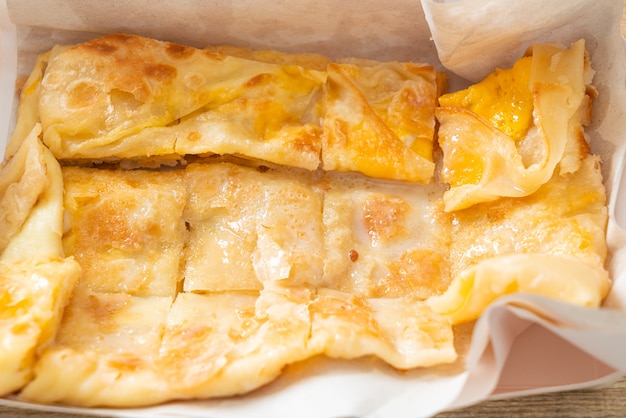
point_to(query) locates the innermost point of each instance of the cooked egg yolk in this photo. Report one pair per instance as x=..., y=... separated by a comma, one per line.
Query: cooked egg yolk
x=468, y=168
x=503, y=98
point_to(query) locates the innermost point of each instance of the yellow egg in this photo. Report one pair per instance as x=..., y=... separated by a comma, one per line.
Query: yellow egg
x=503, y=98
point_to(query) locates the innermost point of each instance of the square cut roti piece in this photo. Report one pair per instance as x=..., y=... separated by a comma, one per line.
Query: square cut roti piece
x=226, y=343
x=126, y=229
x=250, y=226
x=106, y=347
x=379, y=120
x=403, y=331
x=384, y=239
x=36, y=279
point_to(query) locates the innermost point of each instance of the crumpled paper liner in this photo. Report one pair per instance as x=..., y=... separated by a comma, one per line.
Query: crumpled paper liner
x=522, y=344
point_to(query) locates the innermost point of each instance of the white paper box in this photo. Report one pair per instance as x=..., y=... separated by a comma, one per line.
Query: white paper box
x=523, y=344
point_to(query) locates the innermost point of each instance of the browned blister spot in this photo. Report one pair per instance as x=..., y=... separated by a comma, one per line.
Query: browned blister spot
x=497, y=213
x=308, y=141
x=100, y=46
x=190, y=338
x=213, y=55
x=159, y=72
x=116, y=230
x=383, y=217
x=82, y=95
x=348, y=308
x=109, y=44
x=178, y=51
x=195, y=81
x=126, y=362
x=418, y=273
x=194, y=136
x=102, y=309
x=258, y=80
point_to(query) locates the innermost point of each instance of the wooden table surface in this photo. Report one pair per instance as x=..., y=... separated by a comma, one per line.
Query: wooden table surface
x=608, y=401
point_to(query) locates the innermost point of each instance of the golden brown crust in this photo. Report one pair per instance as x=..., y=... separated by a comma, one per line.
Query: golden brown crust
x=255, y=252
x=206, y=279
x=505, y=136
x=133, y=98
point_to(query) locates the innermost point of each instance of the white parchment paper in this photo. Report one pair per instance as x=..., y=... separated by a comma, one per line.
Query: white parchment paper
x=523, y=344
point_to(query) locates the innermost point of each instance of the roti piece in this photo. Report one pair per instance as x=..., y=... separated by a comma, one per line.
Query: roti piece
x=378, y=117
x=260, y=286
x=114, y=97
x=551, y=243
x=23, y=178
x=124, y=97
x=103, y=337
x=506, y=135
x=259, y=227
x=405, y=333
x=126, y=225
x=36, y=280
x=308, y=237
x=379, y=120
x=384, y=240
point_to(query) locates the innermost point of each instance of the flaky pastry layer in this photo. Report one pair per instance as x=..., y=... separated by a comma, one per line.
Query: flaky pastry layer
x=279, y=207
x=134, y=98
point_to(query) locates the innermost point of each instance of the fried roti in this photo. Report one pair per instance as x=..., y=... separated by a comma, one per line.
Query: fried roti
x=180, y=223
x=505, y=136
x=36, y=279
x=207, y=281
x=134, y=98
